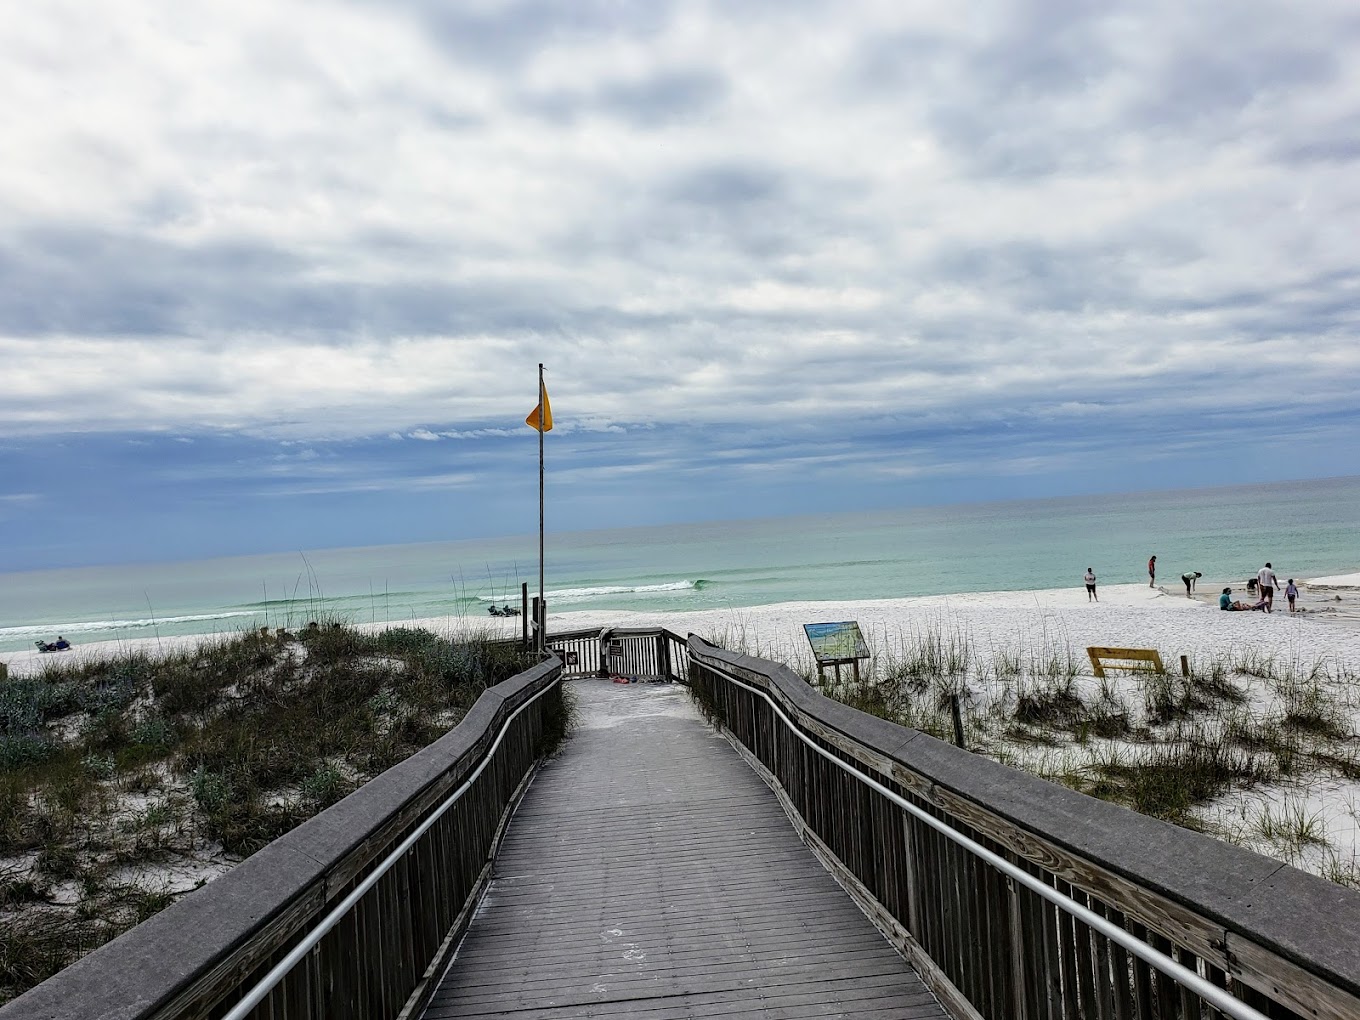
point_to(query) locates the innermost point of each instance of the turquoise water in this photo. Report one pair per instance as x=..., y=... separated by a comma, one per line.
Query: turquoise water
x=1304, y=528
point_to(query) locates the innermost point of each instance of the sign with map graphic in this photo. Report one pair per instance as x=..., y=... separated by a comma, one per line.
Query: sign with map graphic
x=836, y=642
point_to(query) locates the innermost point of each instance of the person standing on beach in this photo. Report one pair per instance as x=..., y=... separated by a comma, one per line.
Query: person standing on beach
x=1291, y=592
x=1266, y=583
x=1090, y=579
x=1152, y=572
x=1189, y=577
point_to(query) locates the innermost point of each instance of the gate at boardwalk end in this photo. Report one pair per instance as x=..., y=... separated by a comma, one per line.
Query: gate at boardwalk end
x=636, y=653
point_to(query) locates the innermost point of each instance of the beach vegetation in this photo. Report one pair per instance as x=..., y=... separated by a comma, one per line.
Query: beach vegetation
x=128, y=780
x=1341, y=870
x=1212, y=749
x=1292, y=826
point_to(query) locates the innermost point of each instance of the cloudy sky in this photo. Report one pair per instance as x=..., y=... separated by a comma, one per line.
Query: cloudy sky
x=278, y=275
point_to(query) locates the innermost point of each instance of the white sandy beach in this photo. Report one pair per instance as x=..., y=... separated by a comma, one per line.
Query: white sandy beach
x=1128, y=615
x=1034, y=624
x=1335, y=581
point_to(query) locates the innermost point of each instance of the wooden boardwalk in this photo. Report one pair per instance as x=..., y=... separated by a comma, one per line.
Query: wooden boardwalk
x=650, y=873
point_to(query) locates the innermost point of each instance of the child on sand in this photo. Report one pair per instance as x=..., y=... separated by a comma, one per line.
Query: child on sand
x=1291, y=592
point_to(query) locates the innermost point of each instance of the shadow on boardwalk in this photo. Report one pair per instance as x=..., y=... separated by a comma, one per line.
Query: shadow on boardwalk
x=650, y=873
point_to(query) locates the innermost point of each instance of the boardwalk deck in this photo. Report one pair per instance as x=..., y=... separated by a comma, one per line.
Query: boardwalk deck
x=650, y=873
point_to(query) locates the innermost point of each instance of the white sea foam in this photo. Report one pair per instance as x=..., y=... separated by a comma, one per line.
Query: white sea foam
x=618, y=589
x=90, y=626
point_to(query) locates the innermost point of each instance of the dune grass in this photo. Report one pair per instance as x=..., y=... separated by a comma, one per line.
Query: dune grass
x=1231, y=749
x=129, y=780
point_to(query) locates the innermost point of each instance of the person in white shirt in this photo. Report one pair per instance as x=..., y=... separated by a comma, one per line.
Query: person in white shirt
x=1090, y=579
x=1188, y=579
x=1266, y=583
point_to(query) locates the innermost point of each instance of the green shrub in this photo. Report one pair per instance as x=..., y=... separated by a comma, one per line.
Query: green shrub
x=20, y=750
x=27, y=703
x=1167, y=781
x=246, y=719
x=334, y=643
x=33, y=948
x=212, y=790
x=99, y=766
x=324, y=786
x=113, y=688
x=155, y=733
x=58, y=861
x=15, y=812
x=385, y=702
x=145, y=903
x=403, y=640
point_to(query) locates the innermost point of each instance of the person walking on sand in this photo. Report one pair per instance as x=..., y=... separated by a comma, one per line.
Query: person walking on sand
x=1090, y=579
x=1152, y=572
x=1266, y=583
x=1291, y=592
x=1190, y=577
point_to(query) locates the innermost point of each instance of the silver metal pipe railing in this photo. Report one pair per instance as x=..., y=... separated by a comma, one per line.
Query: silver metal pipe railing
x=267, y=983
x=1178, y=972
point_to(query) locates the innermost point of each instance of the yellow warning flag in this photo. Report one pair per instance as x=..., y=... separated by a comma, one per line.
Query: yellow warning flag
x=541, y=416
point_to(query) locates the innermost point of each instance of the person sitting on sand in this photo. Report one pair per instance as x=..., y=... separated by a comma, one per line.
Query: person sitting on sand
x=62, y=644
x=1225, y=602
x=1190, y=577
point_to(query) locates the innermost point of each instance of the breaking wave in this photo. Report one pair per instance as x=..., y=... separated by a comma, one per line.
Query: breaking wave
x=572, y=594
x=38, y=630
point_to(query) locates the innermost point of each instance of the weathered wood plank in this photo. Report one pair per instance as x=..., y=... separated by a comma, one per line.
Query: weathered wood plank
x=649, y=872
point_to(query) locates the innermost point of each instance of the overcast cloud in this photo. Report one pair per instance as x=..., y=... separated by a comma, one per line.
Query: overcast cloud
x=776, y=257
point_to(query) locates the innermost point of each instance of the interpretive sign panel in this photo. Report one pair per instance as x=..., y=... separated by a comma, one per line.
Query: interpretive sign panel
x=836, y=642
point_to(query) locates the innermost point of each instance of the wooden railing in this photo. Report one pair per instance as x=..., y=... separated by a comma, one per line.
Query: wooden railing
x=378, y=956
x=1018, y=899
x=645, y=653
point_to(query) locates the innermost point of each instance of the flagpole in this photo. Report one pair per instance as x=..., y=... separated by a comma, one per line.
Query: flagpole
x=542, y=605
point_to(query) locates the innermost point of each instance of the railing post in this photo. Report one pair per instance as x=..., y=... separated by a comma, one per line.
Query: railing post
x=604, y=653
x=663, y=656
x=1018, y=1007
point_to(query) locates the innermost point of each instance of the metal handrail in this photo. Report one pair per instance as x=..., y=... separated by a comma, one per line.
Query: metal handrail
x=267, y=983
x=1217, y=997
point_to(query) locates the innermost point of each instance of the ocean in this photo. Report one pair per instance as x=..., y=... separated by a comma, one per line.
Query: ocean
x=1307, y=528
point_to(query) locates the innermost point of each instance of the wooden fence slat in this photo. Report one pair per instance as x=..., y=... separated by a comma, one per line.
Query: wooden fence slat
x=1057, y=966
